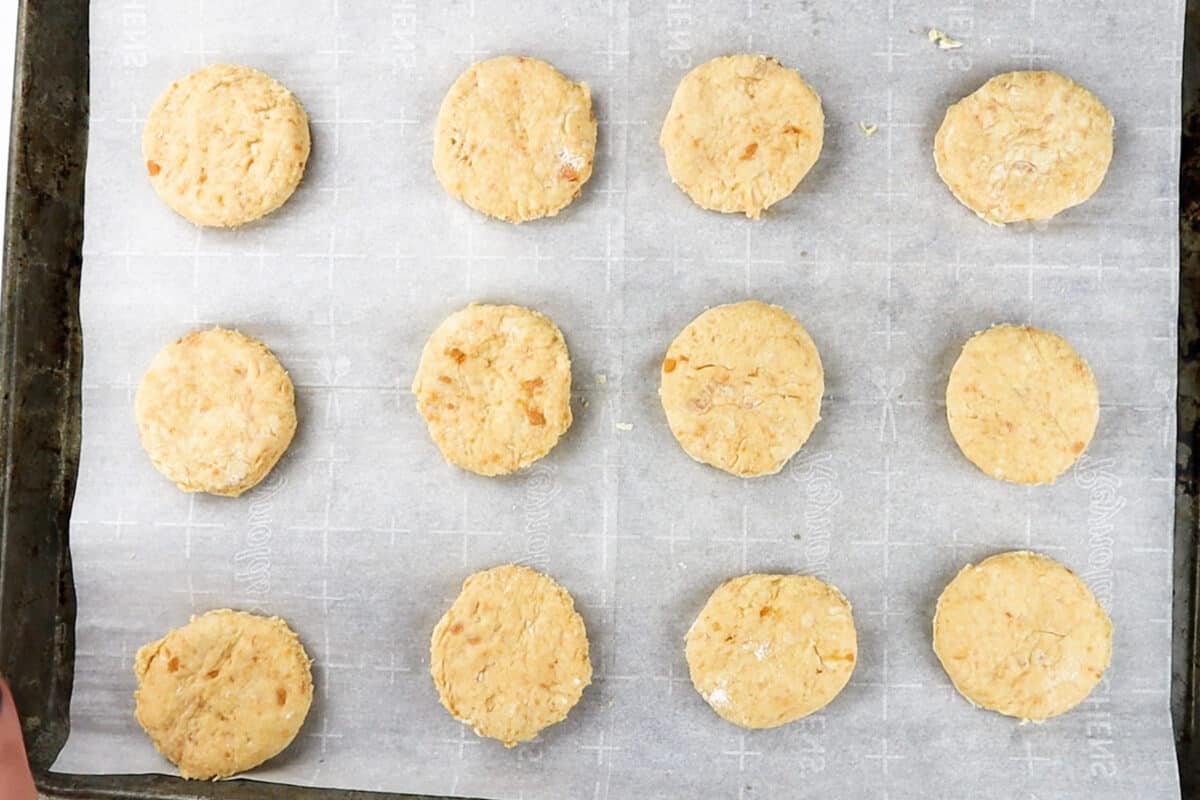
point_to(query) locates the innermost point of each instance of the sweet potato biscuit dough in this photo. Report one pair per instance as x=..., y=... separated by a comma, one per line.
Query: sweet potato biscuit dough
x=770, y=649
x=225, y=145
x=1024, y=146
x=741, y=386
x=515, y=139
x=510, y=657
x=1021, y=403
x=224, y=693
x=1020, y=634
x=215, y=411
x=494, y=387
x=741, y=134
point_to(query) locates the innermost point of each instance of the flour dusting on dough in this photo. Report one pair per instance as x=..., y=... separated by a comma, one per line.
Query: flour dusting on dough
x=572, y=160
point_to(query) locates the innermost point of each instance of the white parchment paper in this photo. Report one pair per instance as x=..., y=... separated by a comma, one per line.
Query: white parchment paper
x=362, y=535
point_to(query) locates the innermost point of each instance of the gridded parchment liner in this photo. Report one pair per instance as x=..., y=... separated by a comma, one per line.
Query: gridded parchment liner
x=362, y=535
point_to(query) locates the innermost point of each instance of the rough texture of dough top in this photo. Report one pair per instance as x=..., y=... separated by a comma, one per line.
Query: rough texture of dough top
x=1021, y=403
x=770, y=649
x=741, y=387
x=226, y=145
x=1024, y=146
x=741, y=133
x=224, y=693
x=215, y=411
x=1021, y=634
x=510, y=657
x=515, y=139
x=494, y=387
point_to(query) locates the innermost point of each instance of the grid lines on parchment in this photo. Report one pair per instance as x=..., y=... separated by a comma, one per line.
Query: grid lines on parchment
x=615, y=127
x=335, y=391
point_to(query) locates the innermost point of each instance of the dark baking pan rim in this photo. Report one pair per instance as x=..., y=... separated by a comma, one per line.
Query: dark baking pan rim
x=40, y=383
x=1185, y=661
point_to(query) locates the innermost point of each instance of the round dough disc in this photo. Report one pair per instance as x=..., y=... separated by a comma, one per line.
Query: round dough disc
x=510, y=657
x=1024, y=146
x=770, y=649
x=741, y=134
x=515, y=139
x=226, y=145
x=224, y=693
x=1021, y=634
x=1021, y=403
x=215, y=412
x=742, y=387
x=494, y=387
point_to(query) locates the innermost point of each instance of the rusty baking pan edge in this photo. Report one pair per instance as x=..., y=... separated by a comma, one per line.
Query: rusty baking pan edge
x=1185, y=702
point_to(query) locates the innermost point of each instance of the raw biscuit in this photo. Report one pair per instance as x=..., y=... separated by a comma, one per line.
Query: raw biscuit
x=224, y=693
x=215, y=411
x=515, y=139
x=494, y=387
x=770, y=649
x=741, y=134
x=226, y=145
x=741, y=386
x=1024, y=146
x=1021, y=403
x=1021, y=634
x=510, y=657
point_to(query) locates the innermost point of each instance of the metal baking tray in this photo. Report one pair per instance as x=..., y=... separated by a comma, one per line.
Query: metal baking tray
x=42, y=355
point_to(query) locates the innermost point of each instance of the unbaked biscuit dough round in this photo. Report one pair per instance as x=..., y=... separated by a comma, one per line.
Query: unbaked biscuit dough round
x=224, y=693
x=1021, y=634
x=1024, y=146
x=226, y=145
x=741, y=133
x=510, y=657
x=742, y=387
x=769, y=649
x=1021, y=403
x=215, y=411
x=515, y=139
x=494, y=387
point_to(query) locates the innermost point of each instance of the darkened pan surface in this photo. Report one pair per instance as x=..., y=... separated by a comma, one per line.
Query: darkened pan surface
x=1185, y=701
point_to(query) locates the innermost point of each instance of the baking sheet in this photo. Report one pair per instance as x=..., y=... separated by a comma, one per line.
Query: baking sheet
x=362, y=535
